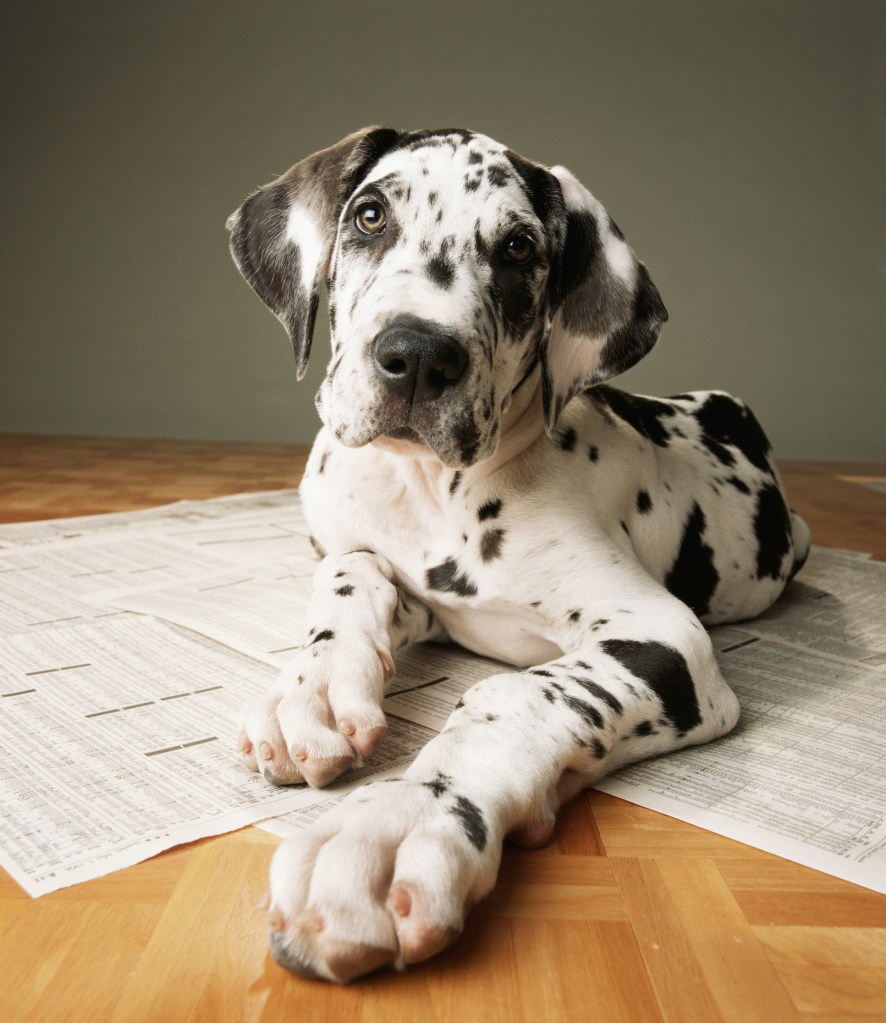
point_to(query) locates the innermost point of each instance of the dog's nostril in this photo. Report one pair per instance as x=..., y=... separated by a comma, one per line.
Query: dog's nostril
x=418, y=364
x=396, y=367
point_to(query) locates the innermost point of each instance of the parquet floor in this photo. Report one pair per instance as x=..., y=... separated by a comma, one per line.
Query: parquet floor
x=625, y=915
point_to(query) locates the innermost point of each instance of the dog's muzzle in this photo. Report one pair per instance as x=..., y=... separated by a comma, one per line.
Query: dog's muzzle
x=417, y=362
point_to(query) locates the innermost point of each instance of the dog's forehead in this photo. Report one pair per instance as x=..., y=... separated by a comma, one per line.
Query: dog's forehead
x=455, y=175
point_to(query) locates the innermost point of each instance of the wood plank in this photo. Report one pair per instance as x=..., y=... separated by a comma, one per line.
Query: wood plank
x=689, y=926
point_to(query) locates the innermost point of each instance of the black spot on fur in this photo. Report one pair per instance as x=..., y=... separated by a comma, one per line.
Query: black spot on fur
x=344, y=591
x=586, y=711
x=566, y=439
x=644, y=502
x=498, y=175
x=448, y=579
x=489, y=510
x=644, y=728
x=693, y=577
x=475, y=157
x=644, y=414
x=441, y=271
x=665, y=671
x=598, y=749
x=480, y=246
x=542, y=672
x=593, y=453
x=439, y=784
x=471, y=183
x=739, y=485
x=472, y=821
x=724, y=420
x=490, y=544
x=772, y=527
x=611, y=701
x=326, y=634
x=574, y=616
x=453, y=486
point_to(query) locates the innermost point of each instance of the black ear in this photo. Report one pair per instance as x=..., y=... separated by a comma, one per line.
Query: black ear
x=609, y=312
x=282, y=235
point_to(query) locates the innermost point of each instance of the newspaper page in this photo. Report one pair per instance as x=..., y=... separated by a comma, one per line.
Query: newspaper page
x=130, y=639
x=803, y=774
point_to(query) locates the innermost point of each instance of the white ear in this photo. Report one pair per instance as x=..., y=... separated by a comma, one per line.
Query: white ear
x=282, y=235
x=609, y=313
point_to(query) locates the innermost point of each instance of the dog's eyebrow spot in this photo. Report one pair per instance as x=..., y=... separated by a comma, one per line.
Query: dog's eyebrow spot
x=489, y=510
x=490, y=545
x=448, y=579
x=644, y=501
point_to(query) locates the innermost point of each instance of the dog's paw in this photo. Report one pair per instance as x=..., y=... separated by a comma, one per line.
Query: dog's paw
x=322, y=716
x=385, y=877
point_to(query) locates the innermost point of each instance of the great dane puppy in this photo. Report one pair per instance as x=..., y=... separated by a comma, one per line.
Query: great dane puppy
x=476, y=481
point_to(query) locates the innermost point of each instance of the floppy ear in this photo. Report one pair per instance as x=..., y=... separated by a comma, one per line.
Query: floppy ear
x=282, y=235
x=608, y=311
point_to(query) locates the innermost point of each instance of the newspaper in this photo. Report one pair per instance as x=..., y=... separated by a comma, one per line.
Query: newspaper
x=129, y=640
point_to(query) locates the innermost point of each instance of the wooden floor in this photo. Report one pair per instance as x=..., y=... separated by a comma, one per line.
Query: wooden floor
x=625, y=915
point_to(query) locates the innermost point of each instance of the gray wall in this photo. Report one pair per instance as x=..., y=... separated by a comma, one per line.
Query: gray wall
x=741, y=147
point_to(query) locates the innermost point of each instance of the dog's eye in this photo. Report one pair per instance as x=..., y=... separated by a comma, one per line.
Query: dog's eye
x=370, y=218
x=519, y=249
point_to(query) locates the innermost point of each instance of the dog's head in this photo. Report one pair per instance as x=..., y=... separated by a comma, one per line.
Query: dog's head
x=454, y=269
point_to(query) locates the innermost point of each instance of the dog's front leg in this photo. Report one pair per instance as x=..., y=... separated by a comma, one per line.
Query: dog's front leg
x=388, y=876
x=324, y=712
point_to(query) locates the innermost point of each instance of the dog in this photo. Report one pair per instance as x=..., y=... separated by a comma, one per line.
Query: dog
x=477, y=481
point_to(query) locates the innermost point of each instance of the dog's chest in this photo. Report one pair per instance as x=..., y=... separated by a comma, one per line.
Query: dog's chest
x=447, y=537
x=416, y=519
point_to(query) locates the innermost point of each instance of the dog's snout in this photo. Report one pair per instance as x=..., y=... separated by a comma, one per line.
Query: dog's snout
x=418, y=364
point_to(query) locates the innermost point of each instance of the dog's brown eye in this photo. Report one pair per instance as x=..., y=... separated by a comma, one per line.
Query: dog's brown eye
x=519, y=249
x=370, y=218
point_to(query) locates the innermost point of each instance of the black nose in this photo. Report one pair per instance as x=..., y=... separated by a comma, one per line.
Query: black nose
x=418, y=363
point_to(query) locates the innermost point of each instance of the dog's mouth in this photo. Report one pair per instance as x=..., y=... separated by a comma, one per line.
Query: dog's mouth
x=404, y=433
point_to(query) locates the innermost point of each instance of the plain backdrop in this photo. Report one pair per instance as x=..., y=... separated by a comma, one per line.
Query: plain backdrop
x=741, y=147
